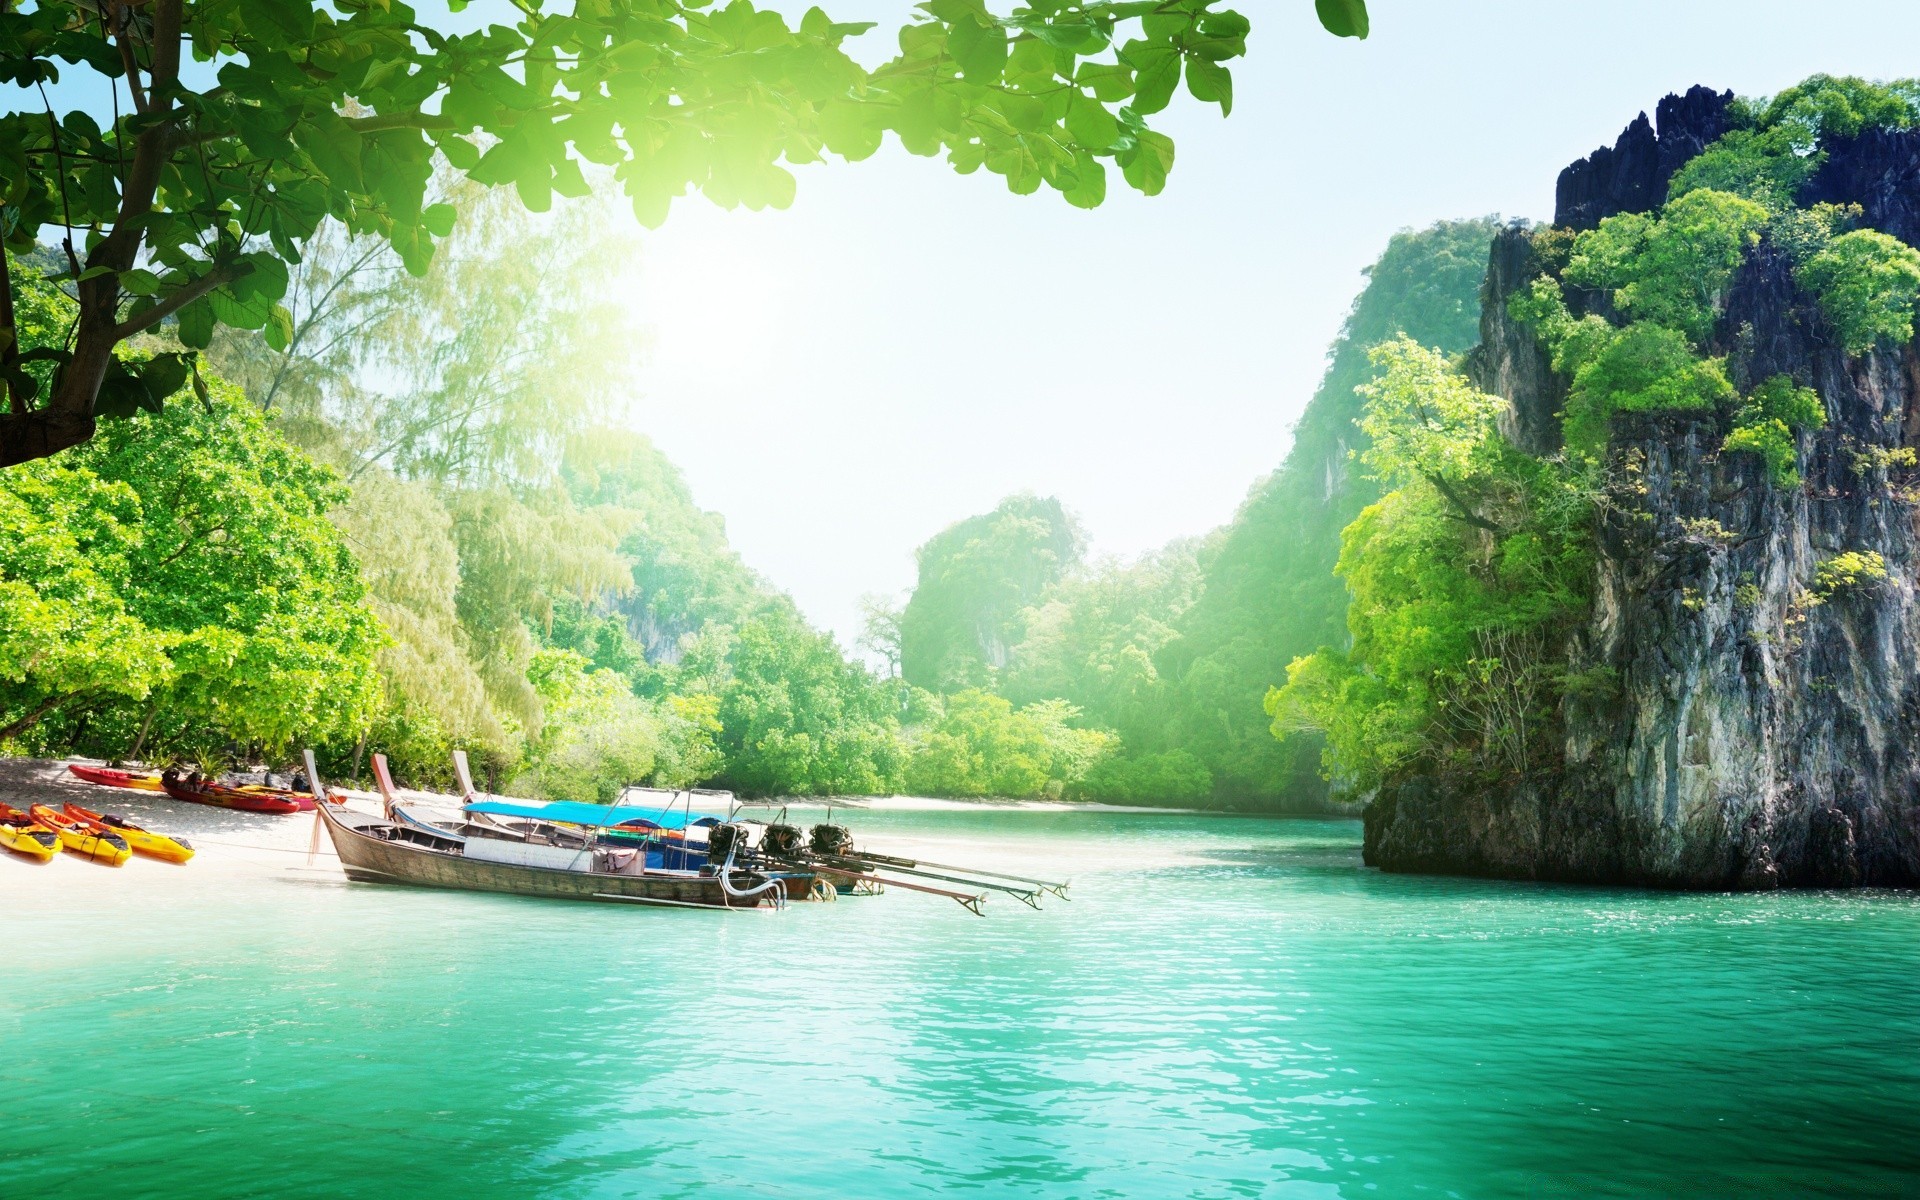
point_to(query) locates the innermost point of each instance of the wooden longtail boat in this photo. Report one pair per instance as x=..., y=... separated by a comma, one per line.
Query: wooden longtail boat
x=99, y=844
x=246, y=799
x=376, y=850
x=139, y=838
x=139, y=781
x=22, y=834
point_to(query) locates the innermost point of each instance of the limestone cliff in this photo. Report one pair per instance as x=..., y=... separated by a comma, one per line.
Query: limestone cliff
x=1738, y=730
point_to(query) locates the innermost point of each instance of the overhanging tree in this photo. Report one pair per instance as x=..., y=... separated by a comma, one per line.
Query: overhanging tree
x=238, y=126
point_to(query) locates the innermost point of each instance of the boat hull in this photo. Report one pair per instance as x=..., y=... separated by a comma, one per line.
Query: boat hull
x=112, y=777
x=108, y=848
x=245, y=800
x=140, y=841
x=369, y=858
x=30, y=841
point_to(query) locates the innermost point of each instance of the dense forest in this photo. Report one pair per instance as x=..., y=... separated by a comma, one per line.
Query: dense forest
x=1173, y=654
x=326, y=536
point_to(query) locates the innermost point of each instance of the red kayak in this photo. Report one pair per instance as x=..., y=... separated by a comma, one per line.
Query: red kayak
x=145, y=781
x=247, y=799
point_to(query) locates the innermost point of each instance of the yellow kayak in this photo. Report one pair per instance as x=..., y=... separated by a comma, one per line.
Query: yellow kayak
x=23, y=835
x=138, y=839
x=109, y=848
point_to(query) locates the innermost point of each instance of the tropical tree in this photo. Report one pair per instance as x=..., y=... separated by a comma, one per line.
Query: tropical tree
x=206, y=179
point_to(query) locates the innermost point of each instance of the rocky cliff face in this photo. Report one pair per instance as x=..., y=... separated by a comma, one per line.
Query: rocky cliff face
x=1632, y=174
x=1739, y=730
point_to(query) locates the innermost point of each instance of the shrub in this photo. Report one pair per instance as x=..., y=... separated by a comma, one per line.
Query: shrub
x=1672, y=269
x=1847, y=572
x=1841, y=106
x=1758, y=165
x=1170, y=777
x=1867, y=284
x=1642, y=368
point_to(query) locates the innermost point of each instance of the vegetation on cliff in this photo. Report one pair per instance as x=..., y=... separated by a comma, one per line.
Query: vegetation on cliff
x=1173, y=653
x=1472, y=578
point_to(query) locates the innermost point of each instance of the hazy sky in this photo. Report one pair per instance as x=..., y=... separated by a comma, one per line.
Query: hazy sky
x=905, y=346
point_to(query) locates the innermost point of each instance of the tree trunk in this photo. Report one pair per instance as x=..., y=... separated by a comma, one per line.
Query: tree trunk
x=34, y=717
x=146, y=726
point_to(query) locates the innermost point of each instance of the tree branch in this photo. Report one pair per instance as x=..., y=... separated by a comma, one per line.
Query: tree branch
x=380, y=122
x=1462, y=510
x=148, y=318
x=33, y=717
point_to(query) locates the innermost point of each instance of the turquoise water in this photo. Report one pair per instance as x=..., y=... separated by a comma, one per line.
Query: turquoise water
x=1227, y=1008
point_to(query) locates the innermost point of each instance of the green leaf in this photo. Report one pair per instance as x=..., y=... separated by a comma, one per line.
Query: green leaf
x=139, y=282
x=980, y=49
x=1157, y=75
x=1107, y=81
x=438, y=219
x=279, y=328
x=1091, y=124
x=279, y=22
x=1146, y=166
x=1090, y=182
x=1343, y=18
x=1209, y=81
x=196, y=324
x=163, y=375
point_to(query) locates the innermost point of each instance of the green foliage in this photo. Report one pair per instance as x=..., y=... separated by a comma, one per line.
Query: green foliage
x=1671, y=269
x=1424, y=421
x=1171, y=777
x=1453, y=630
x=683, y=573
x=435, y=698
x=1824, y=106
x=599, y=737
x=975, y=578
x=1343, y=18
x=1642, y=368
x=1867, y=283
x=1267, y=591
x=239, y=559
x=208, y=183
x=1764, y=166
x=1801, y=233
x=1767, y=422
x=796, y=718
x=980, y=745
x=67, y=543
x=177, y=582
x=1094, y=636
x=1844, y=573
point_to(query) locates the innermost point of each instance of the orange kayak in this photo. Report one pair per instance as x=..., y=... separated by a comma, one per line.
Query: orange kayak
x=140, y=839
x=101, y=845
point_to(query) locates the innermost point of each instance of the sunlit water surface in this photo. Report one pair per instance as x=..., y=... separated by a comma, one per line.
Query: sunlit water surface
x=1227, y=1007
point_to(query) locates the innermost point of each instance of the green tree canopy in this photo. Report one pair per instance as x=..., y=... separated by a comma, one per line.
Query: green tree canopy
x=237, y=127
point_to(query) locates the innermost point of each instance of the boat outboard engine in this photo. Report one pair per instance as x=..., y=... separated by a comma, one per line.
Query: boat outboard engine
x=725, y=840
x=832, y=840
x=782, y=840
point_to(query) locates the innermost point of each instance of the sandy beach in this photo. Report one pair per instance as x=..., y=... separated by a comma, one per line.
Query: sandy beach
x=230, y=847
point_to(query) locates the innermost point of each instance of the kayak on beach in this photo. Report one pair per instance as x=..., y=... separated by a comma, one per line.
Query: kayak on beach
x=139, y=838
x=191, y=787
x=139, y=781
x=100, y=844
x=22, y=834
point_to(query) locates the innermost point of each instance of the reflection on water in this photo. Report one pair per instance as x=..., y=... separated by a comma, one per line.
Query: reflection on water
x=1228, y=1007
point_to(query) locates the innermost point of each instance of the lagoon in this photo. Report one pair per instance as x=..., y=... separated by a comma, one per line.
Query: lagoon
x=1228, y=1007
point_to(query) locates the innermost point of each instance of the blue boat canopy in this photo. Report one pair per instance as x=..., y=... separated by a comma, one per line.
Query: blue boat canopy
x=569, y=812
